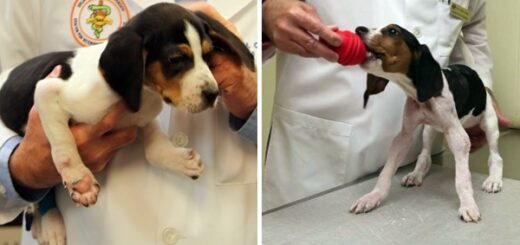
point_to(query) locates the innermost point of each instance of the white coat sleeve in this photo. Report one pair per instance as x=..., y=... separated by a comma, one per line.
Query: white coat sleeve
x=476, y=38
x=19, y=31
x=11, y=204
x=19, y=35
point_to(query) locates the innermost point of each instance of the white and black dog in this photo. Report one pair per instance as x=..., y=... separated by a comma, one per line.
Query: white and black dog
x=160, y=54
x=445, y=100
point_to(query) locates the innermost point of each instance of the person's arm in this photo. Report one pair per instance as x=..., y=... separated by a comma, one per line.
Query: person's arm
x=476, y=38
x=11, y=203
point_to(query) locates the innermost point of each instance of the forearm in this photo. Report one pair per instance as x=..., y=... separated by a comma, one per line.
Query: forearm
x=476, y=39
x=13, y=198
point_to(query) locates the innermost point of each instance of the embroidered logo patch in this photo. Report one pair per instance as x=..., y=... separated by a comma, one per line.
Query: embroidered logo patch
x=92, y=21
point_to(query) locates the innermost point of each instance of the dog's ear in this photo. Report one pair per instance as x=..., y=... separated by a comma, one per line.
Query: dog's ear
x=224, y=40
x=122, y=65
x=426, y=74
x=375, y=85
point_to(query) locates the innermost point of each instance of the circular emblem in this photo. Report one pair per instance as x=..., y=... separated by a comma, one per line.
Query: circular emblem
x=92, y=21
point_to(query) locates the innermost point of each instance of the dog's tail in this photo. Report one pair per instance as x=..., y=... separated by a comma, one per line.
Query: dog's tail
x=503, y=120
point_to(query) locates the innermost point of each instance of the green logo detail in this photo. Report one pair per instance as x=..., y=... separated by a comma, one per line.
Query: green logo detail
x=99, y=17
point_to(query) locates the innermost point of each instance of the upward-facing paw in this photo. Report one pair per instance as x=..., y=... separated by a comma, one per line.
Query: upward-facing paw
x=190, y=162
x=81, y=184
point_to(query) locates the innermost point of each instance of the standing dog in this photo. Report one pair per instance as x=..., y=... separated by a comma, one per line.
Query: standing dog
x=162, y=54
x=446, y=100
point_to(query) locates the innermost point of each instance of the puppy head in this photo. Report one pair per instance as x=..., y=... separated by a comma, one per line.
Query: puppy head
x=394, y=50
x=164, y=47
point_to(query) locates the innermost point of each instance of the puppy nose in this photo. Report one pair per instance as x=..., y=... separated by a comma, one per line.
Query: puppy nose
x=210, y=96
x=360, y=30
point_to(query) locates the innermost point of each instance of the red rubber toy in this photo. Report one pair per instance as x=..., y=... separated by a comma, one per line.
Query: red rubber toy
x=352, y=51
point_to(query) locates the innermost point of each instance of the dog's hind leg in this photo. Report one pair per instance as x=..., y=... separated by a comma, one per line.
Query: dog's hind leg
x=489, y=124
x=161, y=152
x=76, y=177
x=424, y=161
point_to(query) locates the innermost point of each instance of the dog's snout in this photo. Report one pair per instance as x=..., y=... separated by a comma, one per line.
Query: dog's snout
x=210, y=95
x=361, y=30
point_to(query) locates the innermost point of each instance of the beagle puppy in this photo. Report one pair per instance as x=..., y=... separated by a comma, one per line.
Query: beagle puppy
x=161, y=54
x=445, y=100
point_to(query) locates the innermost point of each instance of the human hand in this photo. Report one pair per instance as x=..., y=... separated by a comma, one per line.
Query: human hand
x=210, y=11
x=237, y=84
x=290, y=24
x=31, y=163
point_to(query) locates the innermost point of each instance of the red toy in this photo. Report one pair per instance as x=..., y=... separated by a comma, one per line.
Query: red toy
x=352, y=51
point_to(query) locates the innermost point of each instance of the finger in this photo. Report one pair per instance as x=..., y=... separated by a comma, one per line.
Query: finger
x=313, y=24
x=109, y=121
x=313, y=46
x=333, y=28
x=56, y=72
x=294, y=47
x=100, y=151
x=118, y=138
x=101, y=163
x=33, y=115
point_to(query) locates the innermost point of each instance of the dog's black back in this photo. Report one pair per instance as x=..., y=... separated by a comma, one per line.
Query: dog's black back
x=467, y=88
x=17, y=93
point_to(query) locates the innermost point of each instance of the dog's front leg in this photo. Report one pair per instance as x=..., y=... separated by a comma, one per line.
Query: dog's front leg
x=400, y=146
x=162, y=153
x=77, y=178
x=458, y=141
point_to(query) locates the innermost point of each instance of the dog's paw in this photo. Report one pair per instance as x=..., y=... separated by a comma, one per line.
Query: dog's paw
x=191, y=164
x=469, y=213
x=492, y=185
x=412, y=179
x=81, y=184
x=367, y=202
x=49, y=228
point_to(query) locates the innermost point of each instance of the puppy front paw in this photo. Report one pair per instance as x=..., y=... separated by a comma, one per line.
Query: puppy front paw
x=469, y=212
x=190, y=163
x=367, y=203
x=81, y=184
x=49, y=228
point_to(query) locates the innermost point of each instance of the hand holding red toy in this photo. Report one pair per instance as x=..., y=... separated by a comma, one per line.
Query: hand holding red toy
x=352, y=51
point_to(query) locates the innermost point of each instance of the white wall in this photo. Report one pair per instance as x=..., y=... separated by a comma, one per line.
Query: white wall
x=503, y=25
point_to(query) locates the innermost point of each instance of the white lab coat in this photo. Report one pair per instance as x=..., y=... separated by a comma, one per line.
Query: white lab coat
x=138, y=203
x=321, y=137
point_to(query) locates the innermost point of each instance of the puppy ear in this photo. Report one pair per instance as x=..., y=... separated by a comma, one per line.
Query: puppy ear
x=426, y=74
x=224, y=40
x=122, y=65
x=375, y=85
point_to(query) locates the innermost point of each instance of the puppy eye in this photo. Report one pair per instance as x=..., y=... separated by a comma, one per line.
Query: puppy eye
x=175, y=58
x=392, y=32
